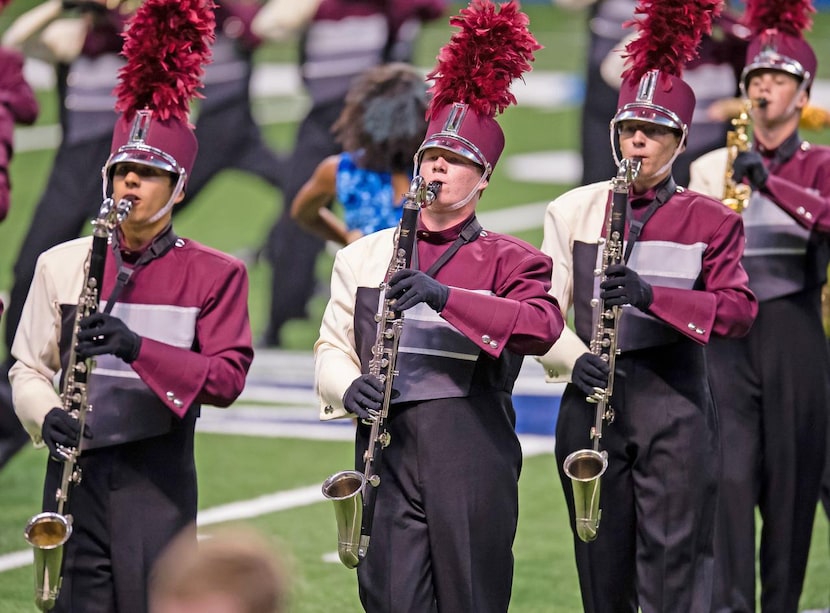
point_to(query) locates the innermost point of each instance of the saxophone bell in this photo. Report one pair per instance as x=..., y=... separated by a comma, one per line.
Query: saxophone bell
x=345, y=490
x=585, y=467
x=47, y=533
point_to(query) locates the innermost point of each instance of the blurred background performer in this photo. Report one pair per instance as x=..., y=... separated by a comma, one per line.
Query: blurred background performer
x=475, y=303
x=17, y=105
x=342, y=39
x=382, y=124
x=771, y=387
x=680, y=284
x=178, y=334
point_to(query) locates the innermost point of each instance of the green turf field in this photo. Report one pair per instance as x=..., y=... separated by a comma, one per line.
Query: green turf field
x=234, y=214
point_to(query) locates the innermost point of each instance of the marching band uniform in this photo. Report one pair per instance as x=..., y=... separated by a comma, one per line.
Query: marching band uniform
x=662, y=445
x=681, y=284
x=771, y=386
x=453, y=425
x=139, y=474
x=172, y=332
x=447, y=508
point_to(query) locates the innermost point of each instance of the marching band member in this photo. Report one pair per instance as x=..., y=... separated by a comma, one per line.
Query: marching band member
x=177, y=336
x=680, y=284
x=475, y=302
x=771, y=386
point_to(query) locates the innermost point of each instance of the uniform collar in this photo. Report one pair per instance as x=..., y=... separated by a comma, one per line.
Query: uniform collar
x=784, y=151
x=442, y=236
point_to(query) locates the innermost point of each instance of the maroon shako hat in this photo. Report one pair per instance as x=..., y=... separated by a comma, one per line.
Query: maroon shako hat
x=472, y=81
x=652, y=89
x=166, y=44
x=777, y=41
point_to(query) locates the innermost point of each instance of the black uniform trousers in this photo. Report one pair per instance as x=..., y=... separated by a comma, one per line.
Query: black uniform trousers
x=446, y=508
x=133, y=499
x=291, y=250
x=658, y=494
x=771, y=392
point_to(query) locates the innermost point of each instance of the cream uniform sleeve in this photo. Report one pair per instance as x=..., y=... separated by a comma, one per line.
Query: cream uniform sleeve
x=558, y=244
x=708, y=173
x=58, y=277
x=363, y=263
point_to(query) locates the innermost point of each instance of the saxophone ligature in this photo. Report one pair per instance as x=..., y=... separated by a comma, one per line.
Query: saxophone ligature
x=47, y=532
x=736, y=195
x=585, y=467
x=354, y=502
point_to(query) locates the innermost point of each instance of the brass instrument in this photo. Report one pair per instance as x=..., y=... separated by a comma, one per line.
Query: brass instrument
x=354, y=503
x=736, y=195
x=48, y=531
x=585, y=467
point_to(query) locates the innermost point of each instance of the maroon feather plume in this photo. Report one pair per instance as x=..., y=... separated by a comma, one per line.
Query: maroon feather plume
x=481, y=60
x=166, y=43
x=670, y=33
x=787, y=16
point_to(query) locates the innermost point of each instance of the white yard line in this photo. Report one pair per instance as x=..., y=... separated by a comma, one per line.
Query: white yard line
x=278, y=501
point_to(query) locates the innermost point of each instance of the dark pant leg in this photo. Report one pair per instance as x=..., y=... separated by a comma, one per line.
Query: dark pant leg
x=734, y=377
x=87, y=569
x=606, y=566
x=795, y=366
x=447, y=522
x=396, y=575
x=291, y=250
x=668, y=417
x=12, y=435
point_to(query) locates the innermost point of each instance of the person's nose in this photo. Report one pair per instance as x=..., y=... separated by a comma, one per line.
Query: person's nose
x=132, y=179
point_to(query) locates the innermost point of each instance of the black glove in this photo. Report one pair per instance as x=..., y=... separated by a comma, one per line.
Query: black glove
x=624, y=286
x=749, y=164
x=590, y=371
x=364, y=396
x=60, y=428
x=101, y=333
x=409, y=287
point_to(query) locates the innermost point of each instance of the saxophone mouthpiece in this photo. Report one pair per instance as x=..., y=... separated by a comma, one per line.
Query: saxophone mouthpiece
x=761, y=103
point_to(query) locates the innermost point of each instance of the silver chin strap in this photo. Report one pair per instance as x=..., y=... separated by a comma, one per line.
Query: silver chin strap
x=168, y=207
x=473, y=192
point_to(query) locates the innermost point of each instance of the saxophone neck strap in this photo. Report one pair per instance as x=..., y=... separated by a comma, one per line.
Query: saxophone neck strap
x=160, y=245
x=635, y=226
x=470, y=232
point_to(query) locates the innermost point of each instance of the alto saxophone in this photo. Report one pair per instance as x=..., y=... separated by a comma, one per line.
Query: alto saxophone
x=736, y=195
x=354, y=502
x=48, y=531
x=585, y=467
